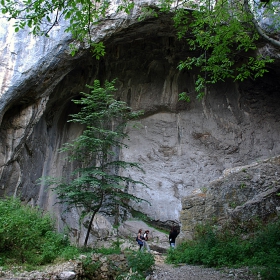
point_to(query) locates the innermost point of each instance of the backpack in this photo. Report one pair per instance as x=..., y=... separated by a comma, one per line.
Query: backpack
x=136, y=238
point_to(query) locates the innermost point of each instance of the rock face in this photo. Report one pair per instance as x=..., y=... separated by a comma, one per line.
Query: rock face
x=242, y=195
x=182, y=146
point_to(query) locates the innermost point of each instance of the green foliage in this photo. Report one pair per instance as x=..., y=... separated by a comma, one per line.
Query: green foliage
x=108, y=251
x=96, y=182
x=229, y=248
x=98, y=50
x=223, y=40
x=222, y=35
x=125, y=6
x=183, y=96
x=140, y=262
x=69, y=252
x=90, y=267
x=41, y=16
x=27, y=235
x=147, y=12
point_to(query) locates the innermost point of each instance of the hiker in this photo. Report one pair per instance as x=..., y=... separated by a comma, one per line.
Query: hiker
x=146, y=238
x=140, y=239
x=172, y=236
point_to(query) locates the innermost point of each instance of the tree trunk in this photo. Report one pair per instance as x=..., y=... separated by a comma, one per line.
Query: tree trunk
x=92, y=217
x=117, y=214
x=89, y=227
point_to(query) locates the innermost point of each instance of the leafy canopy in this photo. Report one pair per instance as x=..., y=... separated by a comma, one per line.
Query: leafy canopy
x=81, y=16
x=223, y=37
x=97, y=184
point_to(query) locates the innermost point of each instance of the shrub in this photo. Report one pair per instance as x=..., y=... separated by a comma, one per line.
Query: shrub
x=229, y=248
x=108, y=251
x=27, y=235
x=140, y=262
x=89, y=267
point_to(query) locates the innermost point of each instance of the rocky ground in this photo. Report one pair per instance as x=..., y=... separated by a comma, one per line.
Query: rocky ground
x=162, y=271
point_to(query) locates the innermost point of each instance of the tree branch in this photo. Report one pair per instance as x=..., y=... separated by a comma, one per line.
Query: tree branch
x=260, y=31
x=54, y=23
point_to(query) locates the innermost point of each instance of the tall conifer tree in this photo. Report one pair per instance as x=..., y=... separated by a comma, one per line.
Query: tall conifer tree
x=98, y=184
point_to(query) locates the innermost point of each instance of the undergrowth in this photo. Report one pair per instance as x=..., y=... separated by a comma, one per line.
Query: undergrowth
x=233, y=248
x=27, y=236
x=28, y=240
x=140, y=264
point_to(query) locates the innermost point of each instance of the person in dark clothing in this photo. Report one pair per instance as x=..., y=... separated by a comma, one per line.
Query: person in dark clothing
x=140, y=239
x=172, y=236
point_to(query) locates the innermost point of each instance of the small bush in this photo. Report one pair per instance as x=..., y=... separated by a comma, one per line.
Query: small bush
x=69, y=252
x=89, y=267
x=140, y=262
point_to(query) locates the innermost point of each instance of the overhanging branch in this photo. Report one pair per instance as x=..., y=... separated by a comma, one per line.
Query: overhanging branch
x=260, y=31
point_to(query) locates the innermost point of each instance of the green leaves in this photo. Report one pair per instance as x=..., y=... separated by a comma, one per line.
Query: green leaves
x=227, y=247
x=26, y=235
x=224, y=31
x=254, y=68
x=222, y=39
x=41, y=16
x=140, y=262
x=125, y=6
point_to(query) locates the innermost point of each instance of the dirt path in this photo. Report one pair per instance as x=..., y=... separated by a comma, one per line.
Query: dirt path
x=165, y=271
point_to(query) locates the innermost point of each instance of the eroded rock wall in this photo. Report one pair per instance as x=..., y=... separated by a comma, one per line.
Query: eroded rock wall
x=242, y=197
x=181, y=146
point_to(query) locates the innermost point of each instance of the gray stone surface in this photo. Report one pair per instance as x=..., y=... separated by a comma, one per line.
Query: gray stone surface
x=129, y=229
x=181, y=146
x=67, y=275
x=242, y=195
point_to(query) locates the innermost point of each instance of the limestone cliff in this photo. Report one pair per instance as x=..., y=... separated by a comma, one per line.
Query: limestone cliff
x=242, y=196
x=182, y=146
